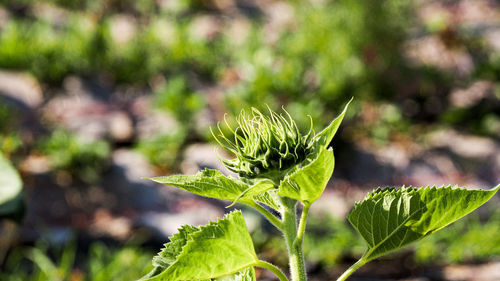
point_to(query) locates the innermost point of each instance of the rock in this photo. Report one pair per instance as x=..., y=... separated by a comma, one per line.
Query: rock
x=431, y=168
x=226, y=6
x=166, y=224
x=493, y=39
x=450, y=157
x=238, y=30
x=204, y=28
x=477, y=11
x=155, y=123
x=481, y=272
x=280, y=16
x=4, y=17
x=332, y=203
x=35, y=164
x=82, y=110
x=106, y=224
x=203, y=120
x=58, y=235
x=123, y=29
x=367, y=169
x=466, y=146
x=200, y=156
x=432, y=51
x=472, y=95
x=494, y=174
x=120, y=126
x=51, y=13
x=126, y=181
x=21, y=87
x=78, y=111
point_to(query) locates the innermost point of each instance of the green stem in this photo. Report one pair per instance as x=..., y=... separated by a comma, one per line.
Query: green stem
x=272, y=218
x=296, y=256
x=351, y=269
x=273, y=269
x=302, y=225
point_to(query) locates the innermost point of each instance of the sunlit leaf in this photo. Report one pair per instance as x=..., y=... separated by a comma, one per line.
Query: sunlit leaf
x=389, y=219
x=270, y=198
x=214, y=184
x=217, y=250
x=247, y=274
x=324, y=137
x=308, y=183
x=11, y=198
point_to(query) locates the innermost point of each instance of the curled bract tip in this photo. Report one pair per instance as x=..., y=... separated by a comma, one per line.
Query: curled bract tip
x=264, y=145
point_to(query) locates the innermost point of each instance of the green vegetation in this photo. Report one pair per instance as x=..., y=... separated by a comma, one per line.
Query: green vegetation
x=11, y=192
x=470, y=239
x=328, y=53
x=10, y=140
x=163, y=151
x=279, y=167
x=309, y=56
x=102, y=263
x=82, y=159
x=328, y=241
x=183, y=103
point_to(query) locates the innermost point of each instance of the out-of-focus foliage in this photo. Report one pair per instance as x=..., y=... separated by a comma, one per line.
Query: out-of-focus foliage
x=471, y=239
x=330, y=240
x=327, y=243
x=102, y=263
x=85, y=160
x=87, y=45
x=310, y=58
x=11, y=191
x=163, y=151
x=175, y=97
x=10, y=140
x=48, y=52
x=332, y=52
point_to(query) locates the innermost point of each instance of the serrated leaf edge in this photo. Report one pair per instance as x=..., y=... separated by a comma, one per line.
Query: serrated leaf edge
x=191, y=237
x=287, y=178
x=380, y=192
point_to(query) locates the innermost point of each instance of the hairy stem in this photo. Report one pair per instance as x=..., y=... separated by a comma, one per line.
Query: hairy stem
x=352, y=269
x=269, y=216
x=273, y=269
x=302, y=225
x=296, y=256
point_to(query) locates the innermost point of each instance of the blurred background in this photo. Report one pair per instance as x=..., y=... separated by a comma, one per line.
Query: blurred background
x=95, y=95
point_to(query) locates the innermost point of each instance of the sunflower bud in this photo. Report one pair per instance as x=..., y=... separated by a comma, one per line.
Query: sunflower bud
x=265, y=146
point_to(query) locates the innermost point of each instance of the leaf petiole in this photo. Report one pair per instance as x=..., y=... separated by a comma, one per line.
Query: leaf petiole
x=302, y=225
x=352, y=269
x=273, y=269
x=272, y=218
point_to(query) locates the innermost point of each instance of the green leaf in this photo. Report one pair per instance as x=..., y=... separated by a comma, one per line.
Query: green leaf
x=324, y=137
x=169, y=254
x=11, y=195
x=389, y=219
x=270, y=198
x=308, y=183
x=247, y=274
x=214, y=184
x=218, y=249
